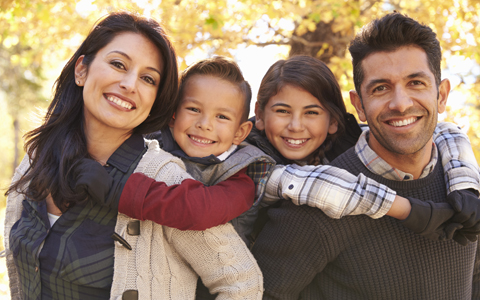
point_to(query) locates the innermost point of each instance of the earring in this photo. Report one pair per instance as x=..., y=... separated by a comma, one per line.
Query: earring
x=78, y=81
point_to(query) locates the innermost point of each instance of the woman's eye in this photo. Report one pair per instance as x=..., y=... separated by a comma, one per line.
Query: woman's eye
x=281, y=111
x=312, y=112
x=149, y=80
x=118, y=65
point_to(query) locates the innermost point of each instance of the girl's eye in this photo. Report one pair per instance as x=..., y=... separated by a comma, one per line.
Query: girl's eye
x=118, y=65
x=149, y=80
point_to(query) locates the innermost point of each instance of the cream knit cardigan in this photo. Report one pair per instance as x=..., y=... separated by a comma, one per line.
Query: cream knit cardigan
x=165, y=263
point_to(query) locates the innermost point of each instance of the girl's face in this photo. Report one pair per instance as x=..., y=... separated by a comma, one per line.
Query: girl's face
x=295, y=122
x=121, y=83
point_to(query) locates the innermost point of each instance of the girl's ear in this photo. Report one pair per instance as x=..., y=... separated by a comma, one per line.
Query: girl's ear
x=242, y=132
x=80, y=71
x=333, y=126
x=259, y=123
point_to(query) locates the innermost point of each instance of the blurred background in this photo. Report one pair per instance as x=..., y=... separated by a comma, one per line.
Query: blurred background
x=38, y=36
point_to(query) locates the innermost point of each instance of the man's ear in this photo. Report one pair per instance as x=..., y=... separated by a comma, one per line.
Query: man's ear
x=357, y=103
x=80, y=71
x=443, y=92
x=242, y=132
x=172, y=121
x=259, y=123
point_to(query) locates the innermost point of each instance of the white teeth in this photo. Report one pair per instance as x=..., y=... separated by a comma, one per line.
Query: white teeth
x=117, y=101
x=403, y=122
x=296, y=142
x=201, y=140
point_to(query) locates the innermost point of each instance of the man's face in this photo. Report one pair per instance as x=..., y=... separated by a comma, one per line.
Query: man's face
x=400, y=101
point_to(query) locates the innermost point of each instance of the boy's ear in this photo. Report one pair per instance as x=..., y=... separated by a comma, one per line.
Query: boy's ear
x=259, y=123
x=80, y=71
x=172, y=121
x=242, y=132
x=357, y=103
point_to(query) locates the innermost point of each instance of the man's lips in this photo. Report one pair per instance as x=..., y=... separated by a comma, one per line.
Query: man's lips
x=402, y=122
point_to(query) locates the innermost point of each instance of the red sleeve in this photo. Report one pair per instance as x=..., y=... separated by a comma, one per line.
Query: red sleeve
x=189, y=205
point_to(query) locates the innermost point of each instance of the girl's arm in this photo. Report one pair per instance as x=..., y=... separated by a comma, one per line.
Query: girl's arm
x=459, y=163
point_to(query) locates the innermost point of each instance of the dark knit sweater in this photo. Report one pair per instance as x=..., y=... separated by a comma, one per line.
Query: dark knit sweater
x=301, y=251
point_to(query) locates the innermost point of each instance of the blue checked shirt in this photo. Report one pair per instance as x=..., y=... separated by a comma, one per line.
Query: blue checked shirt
x=338, y=193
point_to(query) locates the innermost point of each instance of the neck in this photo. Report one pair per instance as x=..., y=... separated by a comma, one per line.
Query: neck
x=412, y=163
x=102, y=144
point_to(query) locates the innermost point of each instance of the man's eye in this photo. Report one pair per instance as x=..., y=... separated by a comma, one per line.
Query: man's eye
x=379, y=88
x=312, y=112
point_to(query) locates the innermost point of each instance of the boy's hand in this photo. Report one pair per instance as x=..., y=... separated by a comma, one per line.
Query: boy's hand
x=92, y=178
x=428, y=218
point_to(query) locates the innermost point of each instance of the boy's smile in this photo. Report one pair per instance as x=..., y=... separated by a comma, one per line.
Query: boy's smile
x=208, y=119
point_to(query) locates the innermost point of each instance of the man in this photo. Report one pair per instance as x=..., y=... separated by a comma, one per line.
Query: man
x=303, y=253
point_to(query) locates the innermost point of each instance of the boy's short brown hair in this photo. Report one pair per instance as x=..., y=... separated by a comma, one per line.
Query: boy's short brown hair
x=222, y=68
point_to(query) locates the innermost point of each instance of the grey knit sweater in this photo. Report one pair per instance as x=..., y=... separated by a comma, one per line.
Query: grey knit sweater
x=305, y=254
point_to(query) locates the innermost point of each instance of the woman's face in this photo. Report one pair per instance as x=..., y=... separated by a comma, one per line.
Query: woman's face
x=295, y=122
x=121, y=84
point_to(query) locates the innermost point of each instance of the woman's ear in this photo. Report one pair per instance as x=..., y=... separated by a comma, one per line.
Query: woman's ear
x=259, y=114
x=80, y=71
x=242, y=132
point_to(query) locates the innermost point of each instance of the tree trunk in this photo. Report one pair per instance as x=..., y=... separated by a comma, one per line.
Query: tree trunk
x=311, y=43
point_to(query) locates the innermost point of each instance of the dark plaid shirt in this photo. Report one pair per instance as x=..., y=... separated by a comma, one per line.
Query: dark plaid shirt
x=73, y=259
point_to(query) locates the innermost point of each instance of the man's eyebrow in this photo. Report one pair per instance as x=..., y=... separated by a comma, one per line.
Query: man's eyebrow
x=420, y=74
x=130, y=59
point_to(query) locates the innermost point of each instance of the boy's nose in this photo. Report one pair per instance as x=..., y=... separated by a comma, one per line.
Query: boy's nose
x=204, y=123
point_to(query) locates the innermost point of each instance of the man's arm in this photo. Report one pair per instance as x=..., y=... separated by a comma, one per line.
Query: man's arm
x=291, y=250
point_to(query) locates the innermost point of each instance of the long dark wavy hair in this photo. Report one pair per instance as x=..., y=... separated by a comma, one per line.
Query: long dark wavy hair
x=59, y=143
x=313, y=76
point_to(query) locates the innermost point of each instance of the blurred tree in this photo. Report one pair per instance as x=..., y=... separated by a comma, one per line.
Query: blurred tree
x=38, y=35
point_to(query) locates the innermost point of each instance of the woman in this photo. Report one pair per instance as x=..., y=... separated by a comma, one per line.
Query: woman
x=119, y=84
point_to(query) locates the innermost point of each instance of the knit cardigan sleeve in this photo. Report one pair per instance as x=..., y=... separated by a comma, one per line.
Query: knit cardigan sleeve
x=221, y=258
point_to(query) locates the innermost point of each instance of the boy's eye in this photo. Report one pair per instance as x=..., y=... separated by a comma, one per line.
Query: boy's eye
x=118, y=65
x=223, y=117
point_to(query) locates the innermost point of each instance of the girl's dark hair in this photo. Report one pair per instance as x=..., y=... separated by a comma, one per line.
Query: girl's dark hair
x=59, y=143
x=313, y=76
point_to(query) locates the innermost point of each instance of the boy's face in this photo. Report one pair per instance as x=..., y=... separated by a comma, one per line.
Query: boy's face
x=208, y=119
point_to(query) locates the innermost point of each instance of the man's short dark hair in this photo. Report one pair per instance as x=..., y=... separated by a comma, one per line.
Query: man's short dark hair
x=389, y=33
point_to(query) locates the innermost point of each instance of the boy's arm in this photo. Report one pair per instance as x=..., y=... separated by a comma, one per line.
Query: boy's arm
x=459, y=163
x=189, y=205
x=223, y=261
